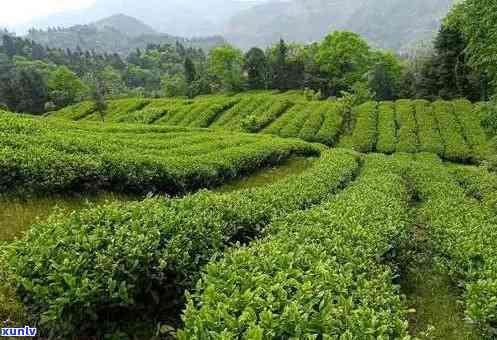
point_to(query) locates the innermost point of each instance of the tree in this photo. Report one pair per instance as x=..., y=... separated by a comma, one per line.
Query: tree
x=65, y=86
x=190, y=72
x=384, y=76
x=174, y=86
x=98, y=97
x=478, y=20
x=9, y=46
x=25, y=91
x=256, y=68
x=110, y=82
x=455, y=78
x=226, y=66
x=345, y=58
x=279, y=67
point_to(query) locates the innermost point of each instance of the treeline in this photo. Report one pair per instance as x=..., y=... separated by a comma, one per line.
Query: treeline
x=37, y=79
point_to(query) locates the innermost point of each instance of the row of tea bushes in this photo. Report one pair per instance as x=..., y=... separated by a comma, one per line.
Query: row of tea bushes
x=46, y=156
x=463, y=232
x=428, y=129
x=450, y=129
x=387, y=128
x=364, y=134
x=408, y=129
x=316, y=276
x=74, y=272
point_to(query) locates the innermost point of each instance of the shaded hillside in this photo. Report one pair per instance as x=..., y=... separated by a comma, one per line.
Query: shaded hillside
x=175, y=17
x=386, y=23
x=119, y=33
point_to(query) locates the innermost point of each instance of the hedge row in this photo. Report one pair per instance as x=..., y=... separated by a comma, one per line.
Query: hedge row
x=316, y=276
x=73, y=272
x=248, y=104
x=363, y=137
x=472, y=130
x=313, y=122
x=428, y=130
x=264, y=116
x=478, y=182
x=74, y=112
x=119, y=108
x=290, y=123
x=455, y=147
x=464, y=233
x=331, y=128
x=151, y=113
x=408, y=130
x=387, y=128
x=59, y=158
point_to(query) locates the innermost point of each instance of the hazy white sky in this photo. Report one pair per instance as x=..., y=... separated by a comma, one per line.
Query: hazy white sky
x=17, y=11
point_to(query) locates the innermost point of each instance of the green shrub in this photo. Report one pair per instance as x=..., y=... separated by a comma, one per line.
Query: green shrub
x=455, y=147
x=73, y=273
x=408, y=130
x=387, y=128
x=316, y=275
x=47, y=157
x=363, y=137
x=463, y=232
x=428, y=129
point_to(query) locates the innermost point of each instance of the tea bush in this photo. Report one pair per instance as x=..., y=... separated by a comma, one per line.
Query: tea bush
x=47, y=156
x=317, y=274
x=73, y=272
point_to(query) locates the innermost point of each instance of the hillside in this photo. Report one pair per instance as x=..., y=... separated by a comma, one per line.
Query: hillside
x=117, y=34
x=175, y=17
x=406, y=126
x=124, y=24
x=386, y=23
x=392, y=24
x=396, y=210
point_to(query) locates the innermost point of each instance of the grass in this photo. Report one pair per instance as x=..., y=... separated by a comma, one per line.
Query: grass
x=437, y=312
x=293, y=166
x=17, y=214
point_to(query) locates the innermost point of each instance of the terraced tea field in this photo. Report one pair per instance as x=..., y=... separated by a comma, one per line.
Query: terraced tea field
x=448, y=129
x=389, y=235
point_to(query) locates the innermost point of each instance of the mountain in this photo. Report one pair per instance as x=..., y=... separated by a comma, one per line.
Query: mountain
x=391, y=24
x=116, y=34
x=125, y=24
x=176, y=17
x=394, y=24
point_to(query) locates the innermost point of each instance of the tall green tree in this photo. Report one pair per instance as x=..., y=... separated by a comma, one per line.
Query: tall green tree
x=65, y=86
x=190, y=72
x=345, y=58
x=226, y=66
x=385, y=75
x=279, y=66
x=257, y=68
x=478, y=20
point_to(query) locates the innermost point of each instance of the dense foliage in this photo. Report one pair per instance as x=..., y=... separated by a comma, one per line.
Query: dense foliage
x=139, y=257
x=451, y=129
x=317, y=274
x=54, y=156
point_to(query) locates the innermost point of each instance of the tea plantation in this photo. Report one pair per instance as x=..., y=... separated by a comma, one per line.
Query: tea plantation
x=316, y=255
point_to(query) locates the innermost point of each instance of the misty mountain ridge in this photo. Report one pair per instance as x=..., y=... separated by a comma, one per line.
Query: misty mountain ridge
x=118, y=33
x=393, y=24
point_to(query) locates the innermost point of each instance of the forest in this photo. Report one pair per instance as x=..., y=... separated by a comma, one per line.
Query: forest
x=328, y=190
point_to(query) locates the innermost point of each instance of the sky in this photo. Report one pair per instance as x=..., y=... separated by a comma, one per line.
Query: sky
x=19, y=11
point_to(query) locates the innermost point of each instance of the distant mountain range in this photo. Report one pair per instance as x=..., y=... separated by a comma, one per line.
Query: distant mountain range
x=394, y=24
x=185, y=18
x=116, y=34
